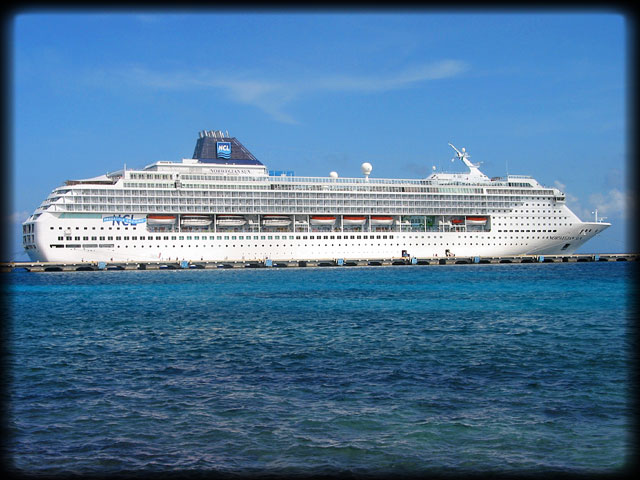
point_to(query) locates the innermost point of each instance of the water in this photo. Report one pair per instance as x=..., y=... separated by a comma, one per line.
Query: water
x=466, y=368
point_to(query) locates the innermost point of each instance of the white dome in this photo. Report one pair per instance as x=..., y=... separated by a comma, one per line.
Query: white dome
x=333, y=174
x=366, y=168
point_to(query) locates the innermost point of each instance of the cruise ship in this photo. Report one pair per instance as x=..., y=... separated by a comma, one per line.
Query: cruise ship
x=223, y=204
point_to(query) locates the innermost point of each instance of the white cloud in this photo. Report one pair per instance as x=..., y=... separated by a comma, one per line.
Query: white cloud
x=381, y=83
x=613, y=203
x=272, y=96
x=570, y=198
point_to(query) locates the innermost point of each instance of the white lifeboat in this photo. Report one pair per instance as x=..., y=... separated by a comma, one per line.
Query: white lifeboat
x=354, y=220
x=231, y=220
x=381, y=220
x=476, y=220
x=322, y=220
x=276, y=221
x=161, y=219
x=196, y=220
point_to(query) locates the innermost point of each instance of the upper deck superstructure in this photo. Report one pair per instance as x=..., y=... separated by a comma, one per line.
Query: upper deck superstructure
x=224, y=204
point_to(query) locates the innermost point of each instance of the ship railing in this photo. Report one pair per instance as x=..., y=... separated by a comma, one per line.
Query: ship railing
x=378, y=181
x=364, y=181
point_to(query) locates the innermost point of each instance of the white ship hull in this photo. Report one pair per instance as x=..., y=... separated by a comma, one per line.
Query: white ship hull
x=219, y=246
x=174, y=206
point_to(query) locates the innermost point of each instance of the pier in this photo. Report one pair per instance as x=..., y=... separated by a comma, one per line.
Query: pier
x=329, y=262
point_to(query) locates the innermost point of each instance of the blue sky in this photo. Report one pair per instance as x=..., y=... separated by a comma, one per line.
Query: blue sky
x=535, y=93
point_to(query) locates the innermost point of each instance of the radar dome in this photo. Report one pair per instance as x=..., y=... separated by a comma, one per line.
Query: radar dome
x=333, y=174
x=366, y=168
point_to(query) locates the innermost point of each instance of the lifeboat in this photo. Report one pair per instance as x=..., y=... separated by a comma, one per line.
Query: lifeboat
x=196, y=220
x=276, y=221
x=476, y=220
x=161, y=219
x=378, y=220
x=457, y=221
x=322, y=220
x=231, y=220
x=353, y=220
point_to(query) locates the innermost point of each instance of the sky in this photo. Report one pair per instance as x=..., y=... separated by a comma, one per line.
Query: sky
x=540, y=93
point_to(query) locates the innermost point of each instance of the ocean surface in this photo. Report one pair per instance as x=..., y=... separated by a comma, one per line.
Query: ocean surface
x=360, y=370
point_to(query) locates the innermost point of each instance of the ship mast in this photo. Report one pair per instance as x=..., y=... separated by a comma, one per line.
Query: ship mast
x=464, y=156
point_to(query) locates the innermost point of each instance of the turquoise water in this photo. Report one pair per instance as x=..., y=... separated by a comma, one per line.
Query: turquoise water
x=482, y=368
